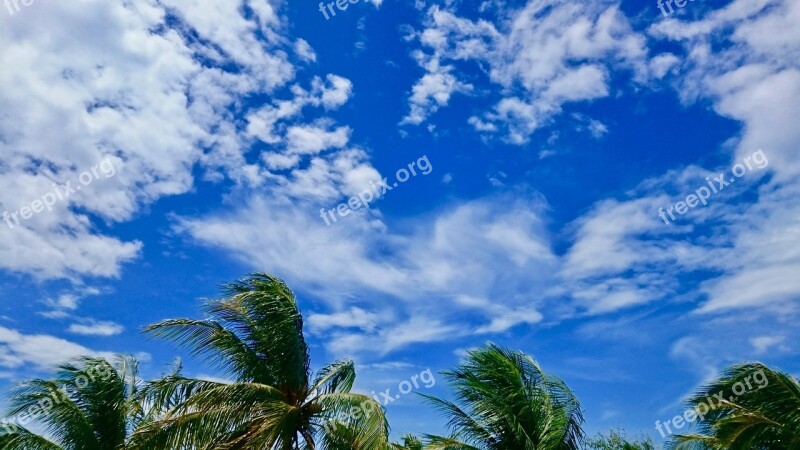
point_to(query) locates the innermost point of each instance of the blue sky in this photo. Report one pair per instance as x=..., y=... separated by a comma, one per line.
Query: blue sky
x=554, y=132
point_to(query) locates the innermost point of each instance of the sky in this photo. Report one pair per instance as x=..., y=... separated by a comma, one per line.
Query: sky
x=612, y=189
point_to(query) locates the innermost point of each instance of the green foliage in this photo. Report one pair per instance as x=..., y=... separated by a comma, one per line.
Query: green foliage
x=766, y=416
x=616, y=440
x=410, y=442
x=504, y=400
x=90, y=404
x=255, y=336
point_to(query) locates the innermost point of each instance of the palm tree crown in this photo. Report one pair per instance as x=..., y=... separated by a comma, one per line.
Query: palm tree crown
x=505, y=401
x=89, y=405
x=255, y=336
x=750, y=407
x=410, y=442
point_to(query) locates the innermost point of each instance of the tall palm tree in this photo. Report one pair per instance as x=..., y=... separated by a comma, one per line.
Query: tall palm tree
x=255, y=336
x=750, y=407
x=90, y=404
x=505, y=401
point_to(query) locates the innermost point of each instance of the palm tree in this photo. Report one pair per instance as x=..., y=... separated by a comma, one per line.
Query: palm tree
x=410, y=442
x=616, y=440
x=255, y=336
x=505, y=401
x=91, y=404
x=750, y=407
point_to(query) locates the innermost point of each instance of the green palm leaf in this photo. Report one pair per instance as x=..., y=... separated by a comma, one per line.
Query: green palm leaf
x=410, y=442
x=255, y=336
x=765, y=415
x=504, y=400
x=89, y=405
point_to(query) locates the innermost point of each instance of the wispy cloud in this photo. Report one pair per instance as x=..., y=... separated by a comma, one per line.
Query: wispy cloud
x=96, y=328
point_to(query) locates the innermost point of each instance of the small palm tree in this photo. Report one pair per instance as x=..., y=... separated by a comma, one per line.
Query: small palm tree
x=750, y=407
x=616, y=440
x=410, y=442
x=91, y=404
x=255, y=336
x=505, y=401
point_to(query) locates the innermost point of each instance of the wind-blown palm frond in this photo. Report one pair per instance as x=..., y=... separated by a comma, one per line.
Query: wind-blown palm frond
x=21, y=438
x=505, y=400
x=336, y=377
x=354, y=421
x=410, y=442
x=444, y=443
x=255, y=335
x=750, y=407
x=89, y=405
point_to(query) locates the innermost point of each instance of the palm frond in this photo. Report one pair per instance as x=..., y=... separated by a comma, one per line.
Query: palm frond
x=88, y=404
x=255, y=334
x=336, y=377
x=355, y=419
x=410, y=442
x=749, y=407
x=447, y=443
x=263, y=310
x=503, y=399
x=20, y=438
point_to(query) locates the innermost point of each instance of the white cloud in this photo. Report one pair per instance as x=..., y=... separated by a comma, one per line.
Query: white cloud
x=123, y=98
x=431, y=92
x=419, y=330
x=129, y=82
x=96, y=328
x=761, y=91
x=602, y=245
x=662, y=64
x=311, y=139
x=338, y=94
x=547, y=54
x=272, y=124
x=42, y=351
x=304, y=50
x=509, y=319
x=597, y=129
x=623, y=256
x=437, y=260
x=143, y=98
x=699, y=356
x=353, y=318
x=388, y=365
x=67, y=301
x=413, y=331
x=762, y=344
